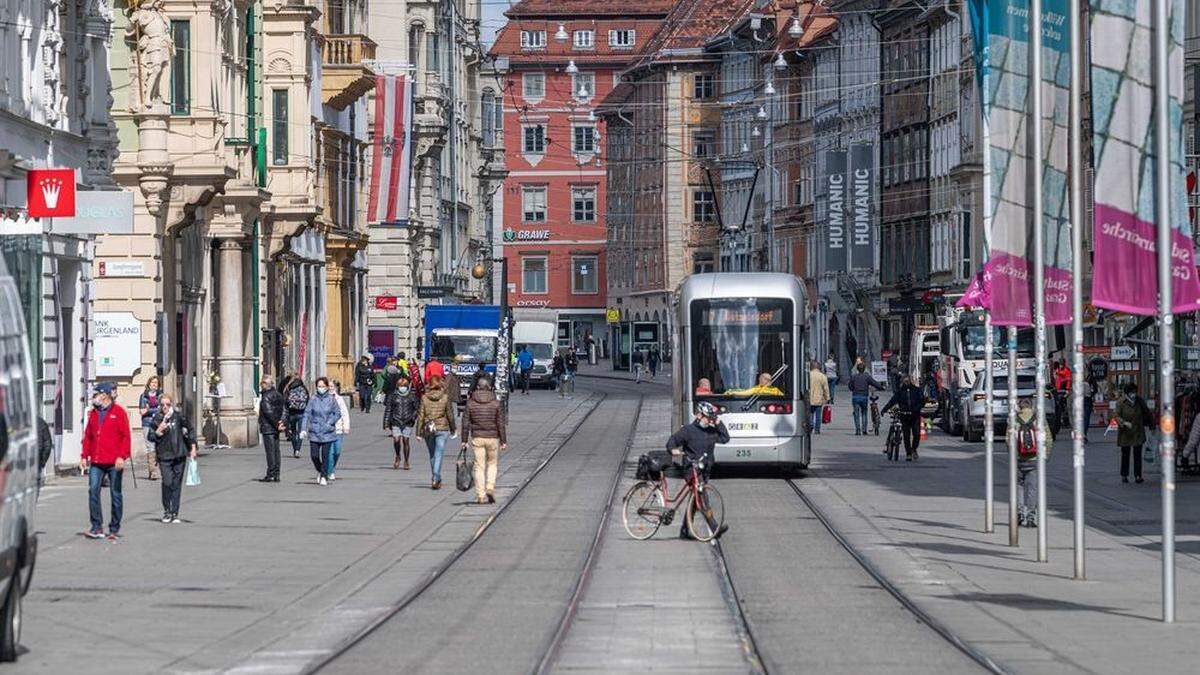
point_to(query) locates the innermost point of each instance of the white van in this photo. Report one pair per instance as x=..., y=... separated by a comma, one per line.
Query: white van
x=18, y=466
x=540, y=337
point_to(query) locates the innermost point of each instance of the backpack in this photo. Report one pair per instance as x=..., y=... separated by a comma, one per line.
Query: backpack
x=1026, y=441
x=297, y=399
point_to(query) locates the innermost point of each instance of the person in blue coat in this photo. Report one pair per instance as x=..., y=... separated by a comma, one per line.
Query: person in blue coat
x=320, y=426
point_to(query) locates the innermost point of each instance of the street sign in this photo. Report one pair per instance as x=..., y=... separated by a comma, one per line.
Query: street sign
x=433, y=292
x=385, y=302
x=879, y=371
x=906, y=305
x=612, y=315
x=122, y=268
x=50, y=193
x=1123, y=353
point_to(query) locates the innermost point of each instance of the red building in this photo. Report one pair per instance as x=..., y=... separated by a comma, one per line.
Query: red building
x=563, y=57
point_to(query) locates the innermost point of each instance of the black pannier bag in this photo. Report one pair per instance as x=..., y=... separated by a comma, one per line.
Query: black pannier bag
x=652, y=464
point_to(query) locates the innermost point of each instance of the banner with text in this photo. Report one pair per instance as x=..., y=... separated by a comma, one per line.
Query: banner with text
x=835, y=233
x=862, y=206
x=1125, y=265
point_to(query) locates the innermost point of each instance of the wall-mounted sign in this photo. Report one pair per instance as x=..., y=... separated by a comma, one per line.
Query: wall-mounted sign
x=385, y=302
x=533, y=303
x=612, y=315
x=50, y=193
x=1123, y=353
x=118, y=343
x=432, y=292
x=98, y=212
x=526, y=235
x=121, y=268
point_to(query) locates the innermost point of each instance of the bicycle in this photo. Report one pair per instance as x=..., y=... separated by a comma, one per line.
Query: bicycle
x=875, y=416
x=645, y=507
x=895, y=437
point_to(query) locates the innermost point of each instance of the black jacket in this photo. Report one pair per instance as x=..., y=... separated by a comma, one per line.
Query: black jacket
x=364, y=375
x=698, y=441
x=400, y=410
x=908, y=398
x=176, y=440
x=270, y=411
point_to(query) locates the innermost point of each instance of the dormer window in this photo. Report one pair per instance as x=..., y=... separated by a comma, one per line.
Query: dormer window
x=584, y=39
x=533, y=39
x=622, y=38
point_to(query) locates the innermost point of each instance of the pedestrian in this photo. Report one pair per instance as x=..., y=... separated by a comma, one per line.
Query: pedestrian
x=1026, y=441
x=104, y=452
x=414, y=377
x=364, y=377
x=434, y=368
x=271, y=415
x=483, y=429
x=571, y=366
x=558, y=368
x=148, y=408
x=452, y=385
x=296, y=396
x=175, y=442
x=818, y=395
x=341, y=430
x=1089, y=403
x=638, y=365
x=654, y=361
x=831, y=376
x=1133, y=417
x=893, y=369
x=909, y=400
x=861, y=383
x=435, y=423
x=696, y=441
x=525, y=367
x=319, y=425
x=400, y=416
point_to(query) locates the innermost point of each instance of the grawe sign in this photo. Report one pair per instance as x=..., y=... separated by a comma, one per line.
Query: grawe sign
x=50, y=193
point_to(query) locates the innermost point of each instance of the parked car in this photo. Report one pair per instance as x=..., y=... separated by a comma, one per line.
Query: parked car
x=18, y=466
x=974, y=408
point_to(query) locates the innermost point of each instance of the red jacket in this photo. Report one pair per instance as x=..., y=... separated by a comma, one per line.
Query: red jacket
x=434, y=367
x=104, y=443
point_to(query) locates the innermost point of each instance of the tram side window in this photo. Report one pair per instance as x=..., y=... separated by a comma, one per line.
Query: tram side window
x=739, y=345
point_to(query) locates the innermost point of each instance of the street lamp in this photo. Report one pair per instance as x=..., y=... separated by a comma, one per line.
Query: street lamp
x=561, y=33
x=571, y=67
x=480, y=271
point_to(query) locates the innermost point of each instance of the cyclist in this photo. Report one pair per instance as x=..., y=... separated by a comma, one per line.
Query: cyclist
x=909, y=400
x=696, y=441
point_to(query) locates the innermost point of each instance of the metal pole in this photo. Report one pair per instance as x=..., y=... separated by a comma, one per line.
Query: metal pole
x=1166, y=333
x=452, y=131
x=989, y=428
x=1077, y=225
x=1014, y=532
x=1039, y=260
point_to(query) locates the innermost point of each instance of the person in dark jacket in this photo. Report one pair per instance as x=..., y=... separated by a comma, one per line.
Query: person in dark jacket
x=295, y=395
x=104, y=454
x=45, y=447
x=908, y=400
x=483, y=428
x=271, y=415
x=1133, y=418
x=174, y=443
x=654, y=359
x=400, y=417
x=364, y=378
x=696, y=441
x=860, y=386
x=148, y=408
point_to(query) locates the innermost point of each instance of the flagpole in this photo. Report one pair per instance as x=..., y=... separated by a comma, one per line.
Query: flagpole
x=1076, y=186
x=1039, y=260
x=989, y=425
x=1014, y=532
x=1166, y=335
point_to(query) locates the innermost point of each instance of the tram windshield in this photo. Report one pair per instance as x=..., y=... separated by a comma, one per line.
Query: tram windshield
x=738, y=344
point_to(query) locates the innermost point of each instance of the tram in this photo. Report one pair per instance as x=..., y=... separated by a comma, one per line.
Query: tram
x=741, y=341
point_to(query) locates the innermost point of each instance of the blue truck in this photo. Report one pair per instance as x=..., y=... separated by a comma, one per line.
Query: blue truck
x=466, y=338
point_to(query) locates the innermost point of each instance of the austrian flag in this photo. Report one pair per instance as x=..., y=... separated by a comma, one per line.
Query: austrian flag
x=391, y=168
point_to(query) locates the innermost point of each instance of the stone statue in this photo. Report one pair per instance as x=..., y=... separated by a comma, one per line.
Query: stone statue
x=149, y=32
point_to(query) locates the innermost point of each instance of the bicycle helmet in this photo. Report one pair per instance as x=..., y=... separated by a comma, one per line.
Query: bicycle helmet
x=707, y=409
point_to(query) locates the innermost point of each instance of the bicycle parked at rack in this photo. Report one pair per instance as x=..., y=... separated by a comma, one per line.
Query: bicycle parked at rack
x=649, y=504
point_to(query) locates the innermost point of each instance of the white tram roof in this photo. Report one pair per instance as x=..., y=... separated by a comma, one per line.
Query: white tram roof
x=744, y=285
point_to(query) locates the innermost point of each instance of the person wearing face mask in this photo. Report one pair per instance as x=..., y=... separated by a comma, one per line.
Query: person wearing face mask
x=1133, y=416
x=319, y=426
x=175, y=442
x=400, y=417
x=696, y=441
x=104, y=452
x=271, y=416
x=342, y=428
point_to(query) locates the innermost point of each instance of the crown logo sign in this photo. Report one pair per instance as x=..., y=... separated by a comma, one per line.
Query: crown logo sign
x=51, y=187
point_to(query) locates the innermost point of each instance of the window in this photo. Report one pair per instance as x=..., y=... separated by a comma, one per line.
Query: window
x=703, y=143
x=279, y=126
x=704, y=208
x=583, y=204
x=584, y=139
x=585, y=39
x=433, y=53
x=584, y=276
x=704, y=86
x=533, y=39
x=965, y=241
x=583, y=85
x=533, y=204
x=488, y=118
x=533, y=139
x=622, y=38
x=181, y=68
x=533, y=86
x=533, y=274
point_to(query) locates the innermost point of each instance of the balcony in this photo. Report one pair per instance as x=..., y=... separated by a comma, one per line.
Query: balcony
x=344, y=75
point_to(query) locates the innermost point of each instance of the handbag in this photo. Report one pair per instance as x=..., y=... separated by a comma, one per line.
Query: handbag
x=464, y=470
x=826, y=414
x=1150, y=449
x=191, y=475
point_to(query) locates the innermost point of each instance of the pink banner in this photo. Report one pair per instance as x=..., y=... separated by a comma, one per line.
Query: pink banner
x=1008, y=295
x=1128, y=282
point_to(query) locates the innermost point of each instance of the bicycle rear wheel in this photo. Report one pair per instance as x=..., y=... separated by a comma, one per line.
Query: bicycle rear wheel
x=642, y=510
x=706, y=524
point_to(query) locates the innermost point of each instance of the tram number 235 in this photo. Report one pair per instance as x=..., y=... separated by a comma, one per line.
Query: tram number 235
x=741, y=453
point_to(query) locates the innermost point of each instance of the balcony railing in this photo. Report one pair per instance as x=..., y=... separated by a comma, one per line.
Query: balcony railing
x=344, y=75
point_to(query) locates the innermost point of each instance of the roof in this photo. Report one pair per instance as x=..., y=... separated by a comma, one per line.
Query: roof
x=588, y=8
x=508, y=39
x=615, y=99
x=816, y=20
x=690, y=25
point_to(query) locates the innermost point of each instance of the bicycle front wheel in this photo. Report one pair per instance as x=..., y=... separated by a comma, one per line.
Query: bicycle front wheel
x=642, y=510
x=704, y=520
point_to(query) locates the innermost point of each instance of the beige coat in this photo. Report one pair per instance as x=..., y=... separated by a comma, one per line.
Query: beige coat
x=818, y=388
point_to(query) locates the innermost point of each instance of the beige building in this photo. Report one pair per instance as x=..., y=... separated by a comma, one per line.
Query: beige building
x=242, y=128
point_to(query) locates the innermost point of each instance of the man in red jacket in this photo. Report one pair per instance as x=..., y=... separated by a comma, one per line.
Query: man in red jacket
x=105, y=452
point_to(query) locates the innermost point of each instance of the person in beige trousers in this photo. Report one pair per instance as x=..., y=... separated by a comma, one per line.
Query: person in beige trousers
x=483, y=427
x=818, y=395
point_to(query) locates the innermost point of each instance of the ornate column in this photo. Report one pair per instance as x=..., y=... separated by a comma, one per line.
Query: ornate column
x=339, y=364
x=235, y=366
